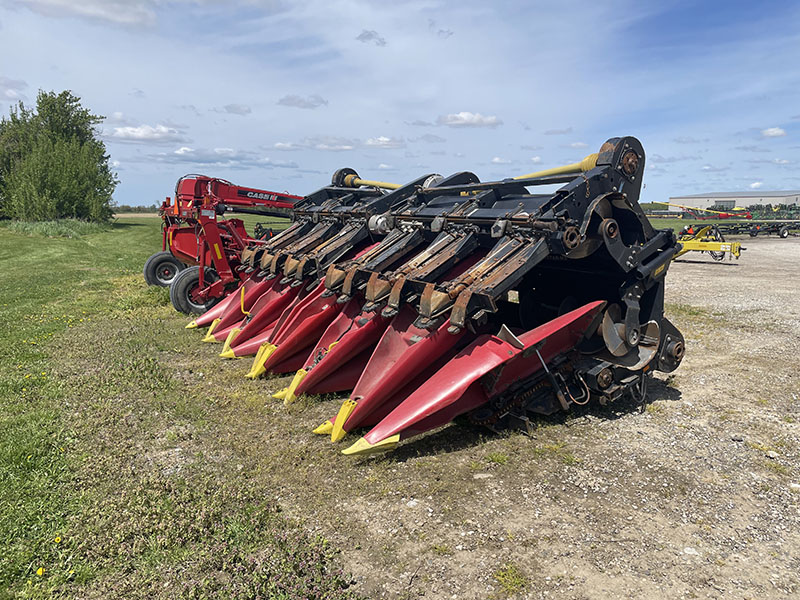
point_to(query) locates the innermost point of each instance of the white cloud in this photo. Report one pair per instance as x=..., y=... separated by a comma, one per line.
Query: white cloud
x=468, y=119
x=332, y=144
x=782, y=161
x=756, y=185
x=385, y=167
x=385, y=142
x=287, y=146
x=772, y=132
x=128, y=13
x=147, y=134
x=564, y=131
x=579, y=145
x=686, y=139
x=657, y=158
x=327, y=143
x=118, y=12
x=713, y=169
x=308, y=49
x=440, y=32
x=311, y=102
x=367, y=36
x=429, y=138
x=117, y=118
x=236, y=109
x=11, y=89
x=229, y=158
x=500, y=161
x=536, y=160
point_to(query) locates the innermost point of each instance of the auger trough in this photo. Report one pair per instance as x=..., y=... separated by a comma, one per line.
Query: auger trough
x=448, y=296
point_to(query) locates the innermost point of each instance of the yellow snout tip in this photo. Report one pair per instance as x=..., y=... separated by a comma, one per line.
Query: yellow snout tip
x=363, y=448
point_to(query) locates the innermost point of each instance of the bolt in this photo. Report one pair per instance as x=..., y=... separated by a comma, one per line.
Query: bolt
x=604, y=378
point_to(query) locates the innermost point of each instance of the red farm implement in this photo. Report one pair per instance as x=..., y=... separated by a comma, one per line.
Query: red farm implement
x=448, y=296
x=201, y=248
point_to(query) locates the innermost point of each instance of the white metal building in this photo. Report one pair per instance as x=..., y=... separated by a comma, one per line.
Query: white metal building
x=729, y=200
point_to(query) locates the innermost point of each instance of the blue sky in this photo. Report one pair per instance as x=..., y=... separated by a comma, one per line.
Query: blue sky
x=278, y=94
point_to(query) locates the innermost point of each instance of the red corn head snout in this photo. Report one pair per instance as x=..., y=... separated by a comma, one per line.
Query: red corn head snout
x=215, y=311
x=239, y=309
x=404, y=350
x=346, y=344
x=457, y=388
x=304, y=326
x=266, y=310
x=252, y=346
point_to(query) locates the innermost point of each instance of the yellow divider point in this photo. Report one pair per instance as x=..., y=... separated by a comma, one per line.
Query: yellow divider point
x=347, y=408
x=226, y=349
x=192, y=325
x=289, y=396
x=264, y=353
x=280, y=394
x=325, y=428
x=209, y=334
x=363, y=448
x=229, y=354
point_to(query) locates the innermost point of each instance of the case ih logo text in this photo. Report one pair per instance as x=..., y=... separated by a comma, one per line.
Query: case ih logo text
x=257, y=195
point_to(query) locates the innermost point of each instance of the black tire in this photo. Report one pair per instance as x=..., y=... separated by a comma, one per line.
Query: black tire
x=784, y=232
x=161, y=269
x=753, y=231
x=180, y=292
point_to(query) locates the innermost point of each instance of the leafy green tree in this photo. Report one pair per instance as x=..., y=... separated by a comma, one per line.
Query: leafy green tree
x=52, y=163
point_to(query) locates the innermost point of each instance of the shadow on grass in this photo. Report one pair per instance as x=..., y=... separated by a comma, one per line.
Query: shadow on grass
x=127, y=225
x=463, y=434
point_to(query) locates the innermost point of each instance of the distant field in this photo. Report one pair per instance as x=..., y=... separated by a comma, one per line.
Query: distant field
x=678, y=224
x=149, y=215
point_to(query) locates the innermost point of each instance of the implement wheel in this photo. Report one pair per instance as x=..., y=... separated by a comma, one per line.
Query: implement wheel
x=184, y=288
x=161, y=269
x=784, y=231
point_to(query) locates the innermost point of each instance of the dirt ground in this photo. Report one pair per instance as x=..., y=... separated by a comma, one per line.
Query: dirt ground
x=694, y=496
x=697, y=496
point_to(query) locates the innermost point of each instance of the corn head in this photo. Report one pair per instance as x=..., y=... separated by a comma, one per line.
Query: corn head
x=448, y=296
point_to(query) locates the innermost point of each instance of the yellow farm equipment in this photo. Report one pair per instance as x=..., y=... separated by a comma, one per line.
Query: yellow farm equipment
x=707, y=239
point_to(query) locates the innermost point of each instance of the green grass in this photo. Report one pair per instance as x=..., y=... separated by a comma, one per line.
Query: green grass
x=498, y=458
x=68, y=228
x=104, y=491
x=511, y=579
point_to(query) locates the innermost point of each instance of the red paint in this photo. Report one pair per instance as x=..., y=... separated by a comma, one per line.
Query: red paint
x=455, y=389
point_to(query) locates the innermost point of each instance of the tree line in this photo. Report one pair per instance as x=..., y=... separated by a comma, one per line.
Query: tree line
x=52, y=163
